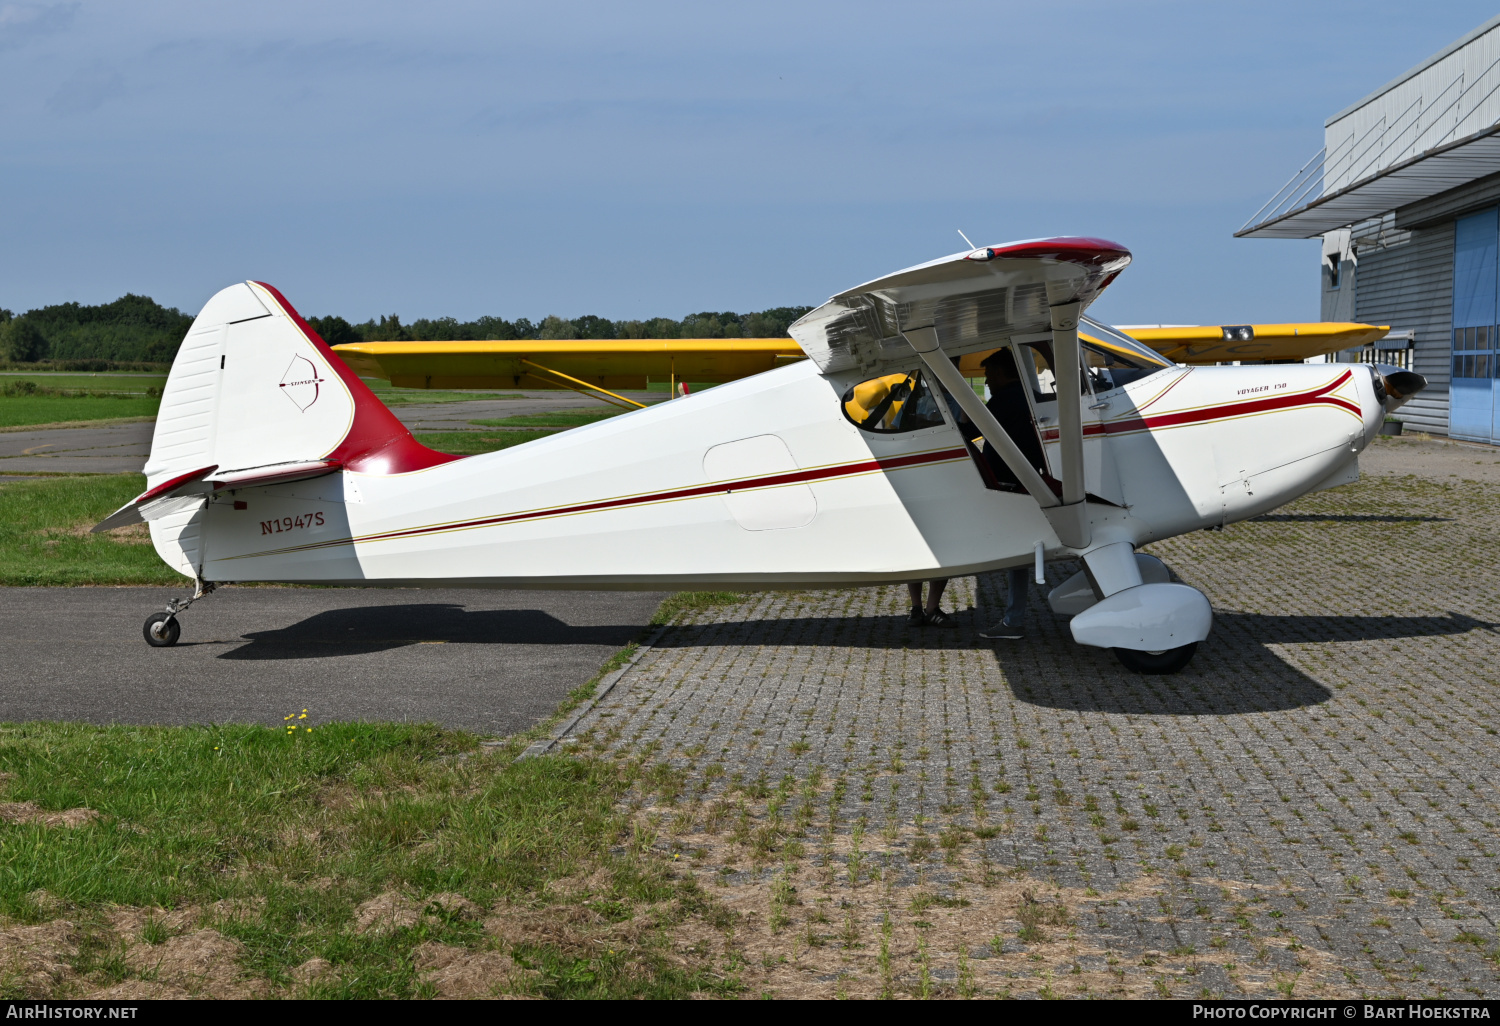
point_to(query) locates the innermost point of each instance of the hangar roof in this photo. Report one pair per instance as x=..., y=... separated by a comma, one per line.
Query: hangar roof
x=1416, y=178
x=1431, y=129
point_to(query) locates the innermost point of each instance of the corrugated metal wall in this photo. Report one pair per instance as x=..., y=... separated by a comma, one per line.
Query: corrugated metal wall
x=1410, y=286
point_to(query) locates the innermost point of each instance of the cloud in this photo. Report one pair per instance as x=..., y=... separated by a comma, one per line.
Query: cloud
x=86, y=91
x=20, y=23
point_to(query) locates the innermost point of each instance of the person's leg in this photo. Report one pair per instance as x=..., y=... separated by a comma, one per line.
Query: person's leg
x=1018, y=582
x=914, y=589
x=1012, y=624
x=935, y=617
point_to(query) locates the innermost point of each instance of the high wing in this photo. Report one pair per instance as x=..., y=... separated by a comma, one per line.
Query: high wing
x=1231, y=343
x=973, y=301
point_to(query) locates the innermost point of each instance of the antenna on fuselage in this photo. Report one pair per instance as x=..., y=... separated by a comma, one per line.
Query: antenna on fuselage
x=961, y=235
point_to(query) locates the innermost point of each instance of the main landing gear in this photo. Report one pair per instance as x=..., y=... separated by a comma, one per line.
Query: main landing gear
x=1170, y=661
x=162, y=629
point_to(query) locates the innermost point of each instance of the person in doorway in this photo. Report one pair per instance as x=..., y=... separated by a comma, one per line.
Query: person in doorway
x=930, y=615
x=1008, y=404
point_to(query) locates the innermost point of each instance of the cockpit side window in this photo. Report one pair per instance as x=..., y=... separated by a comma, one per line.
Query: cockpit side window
x=1113, y=358
x=1108, y=367
x=1044, y=380
x=892, y=403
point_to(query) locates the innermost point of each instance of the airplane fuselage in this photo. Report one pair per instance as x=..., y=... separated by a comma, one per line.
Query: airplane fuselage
x=763, y=483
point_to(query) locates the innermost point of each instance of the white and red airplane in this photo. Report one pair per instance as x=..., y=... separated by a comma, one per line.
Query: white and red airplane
x=272, y=461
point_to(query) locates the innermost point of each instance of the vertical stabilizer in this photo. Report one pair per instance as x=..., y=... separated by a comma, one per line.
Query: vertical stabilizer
x=255, y=396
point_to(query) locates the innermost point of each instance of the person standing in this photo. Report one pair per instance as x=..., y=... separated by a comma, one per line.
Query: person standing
x=930, y=615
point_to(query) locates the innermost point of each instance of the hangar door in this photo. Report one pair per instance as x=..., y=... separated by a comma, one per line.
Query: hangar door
x=1473, y=411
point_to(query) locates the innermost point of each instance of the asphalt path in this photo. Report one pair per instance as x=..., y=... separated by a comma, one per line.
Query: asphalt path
x=490, y=661
x=111, y=449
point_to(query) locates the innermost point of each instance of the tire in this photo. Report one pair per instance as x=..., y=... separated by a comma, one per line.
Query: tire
x=1170, y=661
x=162, y=630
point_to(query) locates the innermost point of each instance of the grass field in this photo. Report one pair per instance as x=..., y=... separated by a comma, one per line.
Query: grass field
x=42, y=399
x=472, y=443
x=44, y=535
x=344, y=861
x=17, y=411
x=135, y=384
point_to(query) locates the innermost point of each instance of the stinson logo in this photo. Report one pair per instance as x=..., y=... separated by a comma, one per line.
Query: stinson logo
x=300, y=382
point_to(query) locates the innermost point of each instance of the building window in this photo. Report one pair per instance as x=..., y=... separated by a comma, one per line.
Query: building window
x=1474, y=351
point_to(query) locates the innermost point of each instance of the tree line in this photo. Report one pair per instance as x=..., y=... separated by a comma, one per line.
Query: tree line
x=136, y=329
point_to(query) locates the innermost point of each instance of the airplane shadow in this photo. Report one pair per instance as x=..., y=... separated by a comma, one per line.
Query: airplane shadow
x=893, y=632
x=1233, y=671
x=361, y=630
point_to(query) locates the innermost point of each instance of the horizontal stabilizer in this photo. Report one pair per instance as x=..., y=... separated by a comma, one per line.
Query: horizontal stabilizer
x=126, y=515
x=160, y=501
x=275, y=473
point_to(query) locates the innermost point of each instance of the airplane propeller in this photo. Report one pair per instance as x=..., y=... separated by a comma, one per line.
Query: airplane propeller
x=1392, y=382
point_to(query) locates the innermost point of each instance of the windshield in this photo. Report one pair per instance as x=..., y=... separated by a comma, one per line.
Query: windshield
x=1129, y=349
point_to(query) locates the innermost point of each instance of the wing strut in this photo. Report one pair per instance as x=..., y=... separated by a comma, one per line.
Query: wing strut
x=592, y=390
x=1069, y=515
x=1071, y=519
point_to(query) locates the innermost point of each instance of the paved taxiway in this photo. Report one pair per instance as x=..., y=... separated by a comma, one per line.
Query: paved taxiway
x=493, y=662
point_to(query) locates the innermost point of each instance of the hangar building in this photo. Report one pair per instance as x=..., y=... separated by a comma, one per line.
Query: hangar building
x=1406, y=197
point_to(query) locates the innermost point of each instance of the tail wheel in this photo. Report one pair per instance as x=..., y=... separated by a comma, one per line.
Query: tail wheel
x=1170, y=661
x=162, y=630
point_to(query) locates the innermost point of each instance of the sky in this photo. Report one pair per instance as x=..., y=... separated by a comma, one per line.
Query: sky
x=456, y=158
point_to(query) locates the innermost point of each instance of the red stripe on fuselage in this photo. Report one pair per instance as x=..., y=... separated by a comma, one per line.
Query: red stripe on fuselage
x=1270, y=404
x=772, y=481
x=648, y=498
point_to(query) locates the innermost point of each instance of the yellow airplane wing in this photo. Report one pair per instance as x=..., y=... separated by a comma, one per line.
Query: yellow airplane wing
x=1226, y=343
x=531, y=363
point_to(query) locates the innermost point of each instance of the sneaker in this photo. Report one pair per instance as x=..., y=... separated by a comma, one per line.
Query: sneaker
x=916, y=618
x=1004, y=632
x=940, y=619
